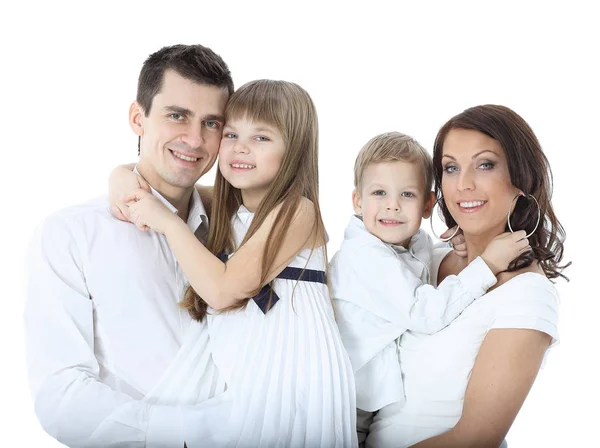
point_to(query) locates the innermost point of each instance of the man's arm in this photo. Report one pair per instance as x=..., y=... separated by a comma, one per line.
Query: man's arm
x=71, y=403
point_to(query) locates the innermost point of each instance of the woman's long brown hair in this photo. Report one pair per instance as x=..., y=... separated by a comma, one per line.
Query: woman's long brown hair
x=529, y=172
x=290, y=109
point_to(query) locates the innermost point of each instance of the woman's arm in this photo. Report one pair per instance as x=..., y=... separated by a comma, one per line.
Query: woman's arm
x=504, y=371
x=223, y=284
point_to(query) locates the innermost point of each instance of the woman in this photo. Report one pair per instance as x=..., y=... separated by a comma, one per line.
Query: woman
x=487, y=162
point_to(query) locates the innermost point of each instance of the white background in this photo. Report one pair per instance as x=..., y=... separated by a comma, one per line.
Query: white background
x=69, y=72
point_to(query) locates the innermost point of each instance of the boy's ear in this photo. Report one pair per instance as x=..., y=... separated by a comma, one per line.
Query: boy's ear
x=429, y=205
x=357, y=202
x=136, y=115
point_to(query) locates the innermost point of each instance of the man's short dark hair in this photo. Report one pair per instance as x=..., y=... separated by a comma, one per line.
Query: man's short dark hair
x=194, y=62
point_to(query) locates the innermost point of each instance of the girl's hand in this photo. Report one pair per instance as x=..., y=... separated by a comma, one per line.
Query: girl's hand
x=147, y=212
x=121, y=183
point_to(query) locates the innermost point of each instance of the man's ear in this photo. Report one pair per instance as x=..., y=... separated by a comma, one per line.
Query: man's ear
x=429, y=205
x=136, y=118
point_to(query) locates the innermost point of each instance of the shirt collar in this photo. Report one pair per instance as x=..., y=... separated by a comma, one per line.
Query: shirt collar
x=197, y=217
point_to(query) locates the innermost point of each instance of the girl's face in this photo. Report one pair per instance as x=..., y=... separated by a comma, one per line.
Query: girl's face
x=250, y=156
x=476, y=183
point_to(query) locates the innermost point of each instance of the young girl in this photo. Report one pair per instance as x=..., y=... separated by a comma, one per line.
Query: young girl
x=288, y=378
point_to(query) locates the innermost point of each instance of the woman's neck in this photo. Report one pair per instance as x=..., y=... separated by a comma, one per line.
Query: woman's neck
x=476, y=245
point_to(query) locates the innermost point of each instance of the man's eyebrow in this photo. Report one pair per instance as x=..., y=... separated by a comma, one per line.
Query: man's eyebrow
x=179, y=110
x=212, y=117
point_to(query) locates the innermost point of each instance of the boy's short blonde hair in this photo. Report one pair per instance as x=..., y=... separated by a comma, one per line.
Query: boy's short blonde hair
x=393, y=147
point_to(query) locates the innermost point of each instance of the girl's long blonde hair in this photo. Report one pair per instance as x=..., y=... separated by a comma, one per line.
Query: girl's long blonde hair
x=289, y=108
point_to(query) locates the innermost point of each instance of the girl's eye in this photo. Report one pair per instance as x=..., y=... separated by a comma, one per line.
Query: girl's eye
x=262, y=138
x=379, y=193
x=450, y=169
x=175, y=116
x=229, y=135
x=408, y=194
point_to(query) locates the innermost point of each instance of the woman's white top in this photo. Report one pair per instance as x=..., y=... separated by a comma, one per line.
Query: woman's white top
x=380, y=291
x=436, y=368
x=287, y=377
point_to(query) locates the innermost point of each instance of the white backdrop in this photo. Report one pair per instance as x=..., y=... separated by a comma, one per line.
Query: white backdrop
x=69, y=72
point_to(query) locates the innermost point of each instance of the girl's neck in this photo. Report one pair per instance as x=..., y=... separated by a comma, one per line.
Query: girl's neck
x=251, y=200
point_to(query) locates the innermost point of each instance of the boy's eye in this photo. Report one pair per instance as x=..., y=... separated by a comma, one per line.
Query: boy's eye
x=379, y=193
x=229, y=135
x=175, y=116
x=408, y=194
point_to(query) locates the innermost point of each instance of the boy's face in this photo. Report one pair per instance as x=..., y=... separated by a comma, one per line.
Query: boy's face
x=392, y=201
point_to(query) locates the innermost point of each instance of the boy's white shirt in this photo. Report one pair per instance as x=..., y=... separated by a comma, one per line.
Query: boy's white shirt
x=380, y=291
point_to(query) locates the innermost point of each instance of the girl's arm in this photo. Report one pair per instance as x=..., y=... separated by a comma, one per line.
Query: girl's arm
x=504, y=371
x=223, y=284
x=123, y=181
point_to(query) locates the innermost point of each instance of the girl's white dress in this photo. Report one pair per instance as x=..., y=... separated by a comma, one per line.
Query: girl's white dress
x=280, y=378
x=436, y=368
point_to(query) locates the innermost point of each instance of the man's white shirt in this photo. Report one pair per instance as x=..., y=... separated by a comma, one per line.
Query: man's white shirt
x=103, y=324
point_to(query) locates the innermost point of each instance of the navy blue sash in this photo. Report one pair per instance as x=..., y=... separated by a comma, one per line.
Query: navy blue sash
x=289, y=273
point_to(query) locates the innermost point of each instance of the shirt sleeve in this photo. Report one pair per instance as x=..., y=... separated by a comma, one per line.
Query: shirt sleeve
x=290, y=383
x=396, y=294
x=71, y=403
x=531, y=302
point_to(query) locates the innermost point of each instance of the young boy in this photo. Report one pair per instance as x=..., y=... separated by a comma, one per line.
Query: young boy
x=381, y=276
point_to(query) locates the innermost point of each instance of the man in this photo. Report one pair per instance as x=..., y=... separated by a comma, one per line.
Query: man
x=102, y=320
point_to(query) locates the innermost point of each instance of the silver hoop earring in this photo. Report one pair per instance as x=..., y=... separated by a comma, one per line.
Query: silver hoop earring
x=444, y=240
x=538, y=218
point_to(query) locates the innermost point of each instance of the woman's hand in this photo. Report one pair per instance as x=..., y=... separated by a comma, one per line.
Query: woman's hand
x=147, y=212
x=121, y=183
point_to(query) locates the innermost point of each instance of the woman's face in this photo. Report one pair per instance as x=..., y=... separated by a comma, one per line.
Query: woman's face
x=476, y=183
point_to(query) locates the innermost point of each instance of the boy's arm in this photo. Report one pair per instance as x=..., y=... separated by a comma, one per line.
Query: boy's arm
x=397, y=295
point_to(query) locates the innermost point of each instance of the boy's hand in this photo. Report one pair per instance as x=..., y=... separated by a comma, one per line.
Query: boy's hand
x=503, y=249
x=147, y=212
x=122, y=182
x=457, y=242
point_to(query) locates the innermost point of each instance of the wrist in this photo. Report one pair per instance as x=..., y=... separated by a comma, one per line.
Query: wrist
x=173, y=224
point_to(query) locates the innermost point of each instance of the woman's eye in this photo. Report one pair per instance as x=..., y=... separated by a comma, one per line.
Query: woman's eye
x=450, y=169
x=379, y=193
x=487, y=165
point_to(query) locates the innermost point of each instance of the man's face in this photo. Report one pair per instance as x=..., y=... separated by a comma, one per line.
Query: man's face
x=180, y=136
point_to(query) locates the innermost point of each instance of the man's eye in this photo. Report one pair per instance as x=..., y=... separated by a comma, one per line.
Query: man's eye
x=212, y=124
x=176, y=116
